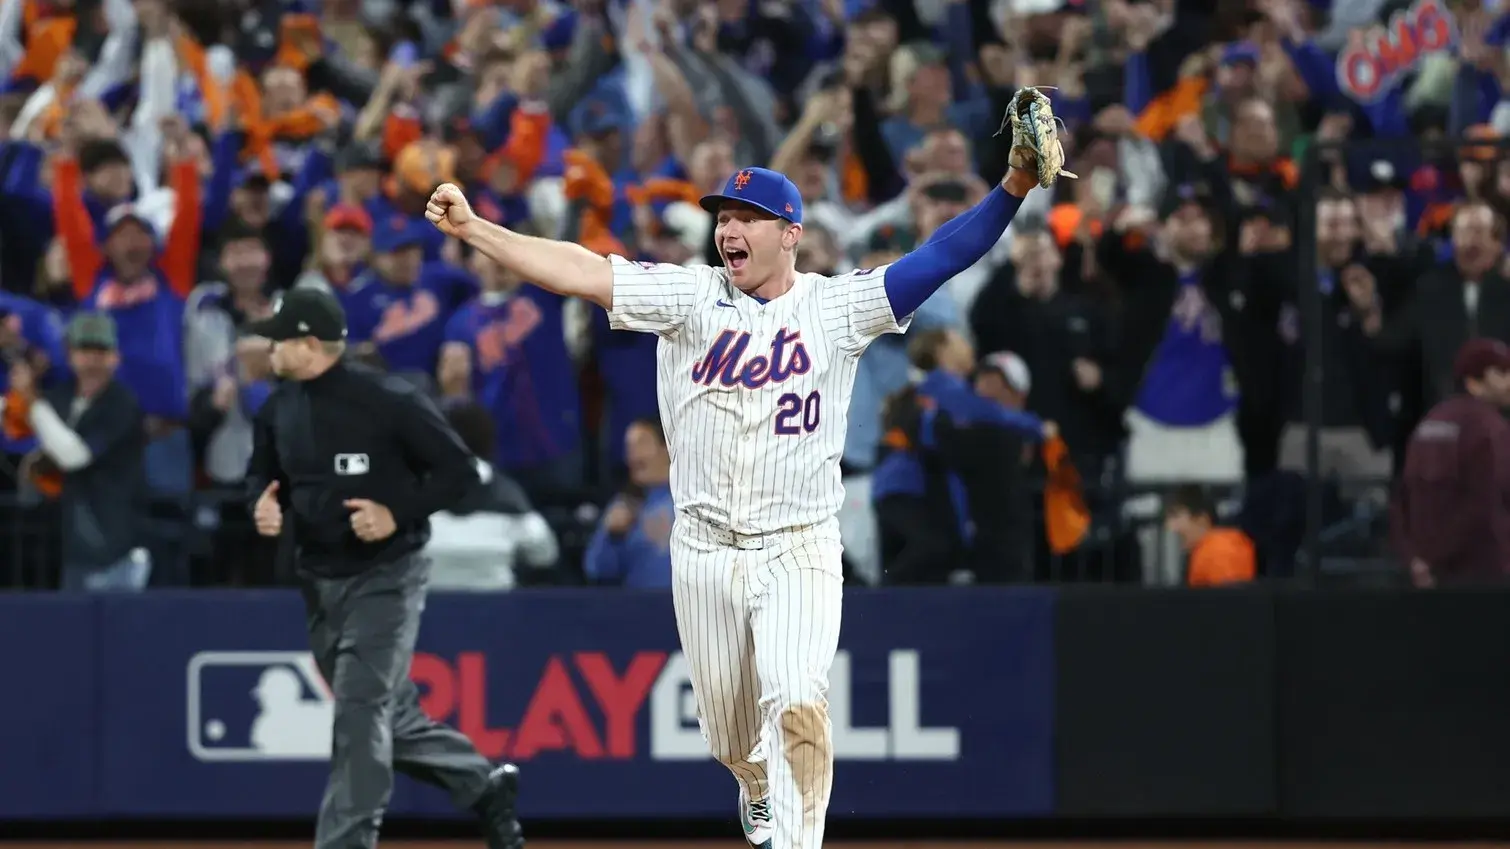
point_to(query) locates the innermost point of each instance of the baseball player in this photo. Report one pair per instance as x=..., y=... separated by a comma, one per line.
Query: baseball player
x=755, y=367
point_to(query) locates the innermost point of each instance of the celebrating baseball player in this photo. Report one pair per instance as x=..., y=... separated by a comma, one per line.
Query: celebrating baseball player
x=756, y=366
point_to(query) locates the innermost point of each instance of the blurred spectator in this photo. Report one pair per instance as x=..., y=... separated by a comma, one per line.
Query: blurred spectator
x=1450, y=303
x=477, y=544
x=90, y=440
x=1174, y=367
x=1064, y=342
x=1355, y=426
x=950, y=493
x=924, y=99
x=29, y=333
x=1001, y=489
x=625, y=361
x=141, y=277
x=507, y=350
x=342, y=248
x=1217, y=555
x=399, y=306
x=1451, y=513
x=228, y=377
x=632, y=546
x=883, y=366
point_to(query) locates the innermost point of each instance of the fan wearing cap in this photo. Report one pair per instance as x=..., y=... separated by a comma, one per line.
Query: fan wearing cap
x=400, y=304
x=359, y=169
x=1385, y=207
x=921, y=478
x=342, y=248
x=140, y=277
x=347, y=466
x=245, y=194
x=89, y=431
x=756, y=368
x=1450, y=520
x=417, y=170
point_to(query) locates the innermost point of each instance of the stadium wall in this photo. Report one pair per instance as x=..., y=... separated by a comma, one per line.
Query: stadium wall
x=1006, y=708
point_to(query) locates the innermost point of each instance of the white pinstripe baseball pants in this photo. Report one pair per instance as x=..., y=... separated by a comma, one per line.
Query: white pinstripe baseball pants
x=759, y=627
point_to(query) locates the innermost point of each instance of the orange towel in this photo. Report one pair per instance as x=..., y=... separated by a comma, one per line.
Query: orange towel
x=1065, y=517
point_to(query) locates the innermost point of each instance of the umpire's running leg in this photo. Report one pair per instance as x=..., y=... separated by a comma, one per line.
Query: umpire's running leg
x=362, y=631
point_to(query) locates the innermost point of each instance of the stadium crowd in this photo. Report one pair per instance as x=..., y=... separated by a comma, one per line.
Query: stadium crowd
x=166, y=168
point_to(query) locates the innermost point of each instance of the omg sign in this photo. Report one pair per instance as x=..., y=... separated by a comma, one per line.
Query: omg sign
x=1374, y=61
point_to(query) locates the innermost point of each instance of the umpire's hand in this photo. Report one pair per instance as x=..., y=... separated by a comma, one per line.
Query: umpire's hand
x=370, y=520
x=268, y=512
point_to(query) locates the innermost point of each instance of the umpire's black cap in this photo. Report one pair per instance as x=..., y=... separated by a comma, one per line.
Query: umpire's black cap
x=303, y=312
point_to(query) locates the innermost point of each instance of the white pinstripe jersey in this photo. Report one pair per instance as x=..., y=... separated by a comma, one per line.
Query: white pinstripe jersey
x=754, y=397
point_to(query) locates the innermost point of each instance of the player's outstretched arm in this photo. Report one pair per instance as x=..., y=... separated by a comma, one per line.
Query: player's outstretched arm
x=561, y=267
x=1036, y=159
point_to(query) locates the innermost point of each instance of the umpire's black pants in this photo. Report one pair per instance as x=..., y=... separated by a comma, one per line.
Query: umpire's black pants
x=362, y=631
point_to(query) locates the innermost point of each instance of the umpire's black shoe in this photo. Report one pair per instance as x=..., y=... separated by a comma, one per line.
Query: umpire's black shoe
x=500, y=817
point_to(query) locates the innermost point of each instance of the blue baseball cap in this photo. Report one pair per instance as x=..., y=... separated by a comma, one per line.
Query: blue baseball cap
x=763, y=189
x=599, y=115
x=396, y=233
x=1241, y=51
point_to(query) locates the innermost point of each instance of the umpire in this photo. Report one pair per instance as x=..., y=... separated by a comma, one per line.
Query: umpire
x=351, y=463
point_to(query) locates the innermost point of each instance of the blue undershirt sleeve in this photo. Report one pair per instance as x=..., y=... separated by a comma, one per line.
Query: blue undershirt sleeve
x=957, y=245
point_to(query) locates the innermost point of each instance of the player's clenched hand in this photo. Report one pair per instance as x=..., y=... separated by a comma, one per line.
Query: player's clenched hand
x=449, y=210
x=370, y=521
x=268, y=513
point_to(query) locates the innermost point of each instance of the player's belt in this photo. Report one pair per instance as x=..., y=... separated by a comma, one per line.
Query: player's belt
x=733, y=539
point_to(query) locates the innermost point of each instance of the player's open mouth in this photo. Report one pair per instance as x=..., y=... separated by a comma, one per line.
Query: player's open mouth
x=735, y=258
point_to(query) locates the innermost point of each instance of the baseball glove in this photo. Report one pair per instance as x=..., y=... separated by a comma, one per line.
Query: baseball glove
x=1035, y=136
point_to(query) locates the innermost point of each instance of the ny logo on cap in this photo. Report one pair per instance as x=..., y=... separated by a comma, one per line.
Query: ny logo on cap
x=741, y=180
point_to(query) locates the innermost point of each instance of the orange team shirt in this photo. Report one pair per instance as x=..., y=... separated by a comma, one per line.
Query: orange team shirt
x=1223, y=556
x=179, y=258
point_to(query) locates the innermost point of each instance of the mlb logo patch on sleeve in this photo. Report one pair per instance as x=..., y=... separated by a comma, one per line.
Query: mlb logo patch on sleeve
x=352, y=464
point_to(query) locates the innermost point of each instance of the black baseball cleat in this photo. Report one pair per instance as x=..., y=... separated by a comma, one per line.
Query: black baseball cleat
x=497, y=809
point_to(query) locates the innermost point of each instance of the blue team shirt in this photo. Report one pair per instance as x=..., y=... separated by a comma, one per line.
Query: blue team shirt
x=149, y=321
x=41, y=328
x=1189, y=383
x=641, y=559
x=406, y=323
x=626, y=361
x=432, y=240
x=522, y=373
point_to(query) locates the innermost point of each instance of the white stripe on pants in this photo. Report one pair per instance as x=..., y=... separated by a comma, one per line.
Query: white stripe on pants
x=760, y=629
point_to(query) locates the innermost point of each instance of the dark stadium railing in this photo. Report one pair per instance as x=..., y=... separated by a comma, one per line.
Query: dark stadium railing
x=208, y=540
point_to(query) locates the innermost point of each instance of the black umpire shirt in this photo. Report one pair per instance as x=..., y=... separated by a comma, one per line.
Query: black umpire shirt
x=354, y=432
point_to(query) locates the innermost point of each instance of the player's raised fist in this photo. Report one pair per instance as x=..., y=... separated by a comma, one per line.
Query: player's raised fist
x=448, y=210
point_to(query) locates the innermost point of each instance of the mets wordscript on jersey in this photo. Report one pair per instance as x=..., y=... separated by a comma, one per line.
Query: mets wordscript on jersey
x=730, y=362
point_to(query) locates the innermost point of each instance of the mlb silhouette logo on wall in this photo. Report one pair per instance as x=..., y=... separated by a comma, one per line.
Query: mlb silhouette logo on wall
x=258, y=706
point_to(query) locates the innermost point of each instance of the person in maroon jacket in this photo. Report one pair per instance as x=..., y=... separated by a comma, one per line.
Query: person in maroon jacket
x=1451, y=511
